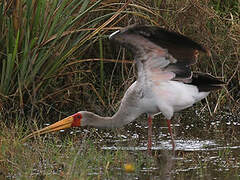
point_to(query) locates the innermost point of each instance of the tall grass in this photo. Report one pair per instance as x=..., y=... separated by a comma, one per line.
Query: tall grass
x=38, y=38
x=48, y=50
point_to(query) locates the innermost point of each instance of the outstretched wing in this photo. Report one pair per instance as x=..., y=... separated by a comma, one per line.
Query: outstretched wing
x=162, y=55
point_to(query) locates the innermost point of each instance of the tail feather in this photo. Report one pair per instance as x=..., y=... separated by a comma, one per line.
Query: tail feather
x=206, y=82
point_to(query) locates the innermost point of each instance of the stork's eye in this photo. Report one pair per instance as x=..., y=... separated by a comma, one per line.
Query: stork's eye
x=78, y=116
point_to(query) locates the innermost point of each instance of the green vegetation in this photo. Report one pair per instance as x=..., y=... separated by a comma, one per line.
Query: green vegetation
x=56, y=59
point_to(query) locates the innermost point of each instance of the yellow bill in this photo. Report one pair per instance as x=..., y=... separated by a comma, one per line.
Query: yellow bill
x=62, y=124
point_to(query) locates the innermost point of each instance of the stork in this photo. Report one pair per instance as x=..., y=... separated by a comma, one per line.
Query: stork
x=165, y=83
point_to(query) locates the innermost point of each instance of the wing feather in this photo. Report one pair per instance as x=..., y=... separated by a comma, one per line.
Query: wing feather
x=164, y=55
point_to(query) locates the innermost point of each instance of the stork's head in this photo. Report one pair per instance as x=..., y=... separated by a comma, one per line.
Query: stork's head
x=76, y=120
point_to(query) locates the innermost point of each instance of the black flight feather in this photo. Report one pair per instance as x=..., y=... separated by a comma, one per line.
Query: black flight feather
x=179, y=46
x=181, y=70
x=206, y=82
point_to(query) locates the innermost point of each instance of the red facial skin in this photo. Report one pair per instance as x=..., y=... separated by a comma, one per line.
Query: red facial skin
x=77, y=120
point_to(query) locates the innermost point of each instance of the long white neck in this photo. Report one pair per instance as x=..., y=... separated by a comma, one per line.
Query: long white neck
x=128, y=111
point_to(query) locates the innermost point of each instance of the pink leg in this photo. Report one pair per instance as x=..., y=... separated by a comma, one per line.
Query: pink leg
x=149, y=134
x=170, y=131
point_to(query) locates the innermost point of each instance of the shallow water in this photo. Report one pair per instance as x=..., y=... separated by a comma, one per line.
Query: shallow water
x=206, y=148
